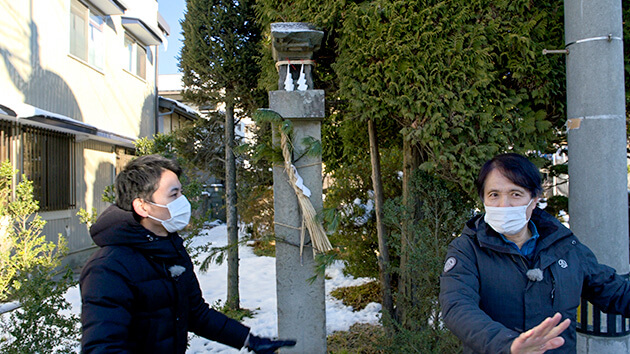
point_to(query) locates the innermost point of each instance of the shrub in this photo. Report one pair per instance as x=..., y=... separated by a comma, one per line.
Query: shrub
x=441, y=210
x=351, y=197
x=429, y=340
x=43, y=324
x=236, y=314
x=23, y=249
x=265, y=247
x=256, y=211
x=27, y=266
x=358, y=297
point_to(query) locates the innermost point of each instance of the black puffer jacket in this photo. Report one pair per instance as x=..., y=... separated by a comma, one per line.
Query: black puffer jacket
x=487, y=299
x=140, y=294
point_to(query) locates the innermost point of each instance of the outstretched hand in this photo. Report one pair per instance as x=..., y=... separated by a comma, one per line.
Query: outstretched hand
x=545, y=336
x=261, y=345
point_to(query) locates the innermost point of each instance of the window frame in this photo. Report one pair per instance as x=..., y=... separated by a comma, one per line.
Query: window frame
x=89, y=45
x=52, y=171
x=136, y=57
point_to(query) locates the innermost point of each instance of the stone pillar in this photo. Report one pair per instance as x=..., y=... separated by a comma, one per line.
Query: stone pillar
x=301, y=301
x=597, y=143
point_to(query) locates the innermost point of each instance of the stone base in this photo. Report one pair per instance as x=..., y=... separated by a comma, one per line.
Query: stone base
x=598, y=345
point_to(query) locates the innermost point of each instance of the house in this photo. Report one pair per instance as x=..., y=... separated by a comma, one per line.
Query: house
x=174, y=112
x=77, y=88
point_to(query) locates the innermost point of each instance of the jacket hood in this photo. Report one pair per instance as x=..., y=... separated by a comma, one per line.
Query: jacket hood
x=550, y=229
x=118, y=227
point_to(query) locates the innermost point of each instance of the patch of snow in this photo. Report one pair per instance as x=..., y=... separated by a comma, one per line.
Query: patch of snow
x=564, y=218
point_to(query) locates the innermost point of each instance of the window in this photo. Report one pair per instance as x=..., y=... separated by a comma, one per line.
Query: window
x=135, y=57
x=6, y=129
x=48, y=161
x=86, y=34
x=123, y=156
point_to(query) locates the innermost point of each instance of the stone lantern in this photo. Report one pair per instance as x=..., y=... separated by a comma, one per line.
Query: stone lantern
x=301, y=301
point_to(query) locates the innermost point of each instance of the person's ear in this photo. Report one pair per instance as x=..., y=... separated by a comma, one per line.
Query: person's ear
x=138, y=207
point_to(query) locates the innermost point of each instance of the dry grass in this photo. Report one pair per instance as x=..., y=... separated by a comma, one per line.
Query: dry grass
x=362, y=338
x=359, y=296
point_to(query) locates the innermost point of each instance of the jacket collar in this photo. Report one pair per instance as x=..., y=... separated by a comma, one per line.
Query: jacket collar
x=118, y=227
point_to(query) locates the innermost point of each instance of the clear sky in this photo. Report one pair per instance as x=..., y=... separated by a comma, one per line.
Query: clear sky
x=173, y=12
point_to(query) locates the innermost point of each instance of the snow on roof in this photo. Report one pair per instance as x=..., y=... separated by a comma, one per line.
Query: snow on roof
x=23, y=110
x=181, y=106
x=33, y=115
x=290, y=27
x=170, y=82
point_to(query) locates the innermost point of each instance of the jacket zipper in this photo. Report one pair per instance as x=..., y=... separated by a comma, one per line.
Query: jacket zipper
x=553, y=290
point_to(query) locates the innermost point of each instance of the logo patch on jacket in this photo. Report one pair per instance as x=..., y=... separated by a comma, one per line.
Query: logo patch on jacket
x=562, y=263
x=176, y=270
x=449, y=264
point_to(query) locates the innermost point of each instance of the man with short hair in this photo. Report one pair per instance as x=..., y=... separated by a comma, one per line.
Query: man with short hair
x=139, y=292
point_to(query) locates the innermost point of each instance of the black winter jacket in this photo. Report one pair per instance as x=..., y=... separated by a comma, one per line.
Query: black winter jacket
x=140, y=295
x=487, y=299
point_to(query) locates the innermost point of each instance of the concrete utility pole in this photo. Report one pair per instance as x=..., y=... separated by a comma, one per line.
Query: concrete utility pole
x=597, y=144
x=301, y=302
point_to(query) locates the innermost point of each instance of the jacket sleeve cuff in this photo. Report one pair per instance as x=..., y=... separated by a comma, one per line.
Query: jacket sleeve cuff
x=234, y=334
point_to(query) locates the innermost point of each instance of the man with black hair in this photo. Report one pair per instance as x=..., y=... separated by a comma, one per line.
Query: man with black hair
x=516, y=271
x=139, y=292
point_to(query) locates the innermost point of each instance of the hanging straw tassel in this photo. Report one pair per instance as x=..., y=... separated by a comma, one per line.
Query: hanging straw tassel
x=315, y=229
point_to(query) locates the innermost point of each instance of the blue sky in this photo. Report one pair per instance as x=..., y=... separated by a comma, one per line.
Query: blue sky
x=173, y=12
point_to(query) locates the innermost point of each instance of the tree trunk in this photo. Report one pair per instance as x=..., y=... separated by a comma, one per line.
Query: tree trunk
x=406, y=300
x=233, y=298
x=383, y=256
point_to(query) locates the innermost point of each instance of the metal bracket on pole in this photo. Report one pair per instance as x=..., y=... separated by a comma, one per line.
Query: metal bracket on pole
x=609, y=38
x=555, y=51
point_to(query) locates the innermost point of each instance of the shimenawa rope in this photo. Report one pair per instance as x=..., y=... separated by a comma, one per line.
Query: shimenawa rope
x=315, y=229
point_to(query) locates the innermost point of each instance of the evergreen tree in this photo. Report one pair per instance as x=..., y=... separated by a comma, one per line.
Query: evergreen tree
x=200, y=144
x=465, y=80
x=220, y=66
x=462, y=80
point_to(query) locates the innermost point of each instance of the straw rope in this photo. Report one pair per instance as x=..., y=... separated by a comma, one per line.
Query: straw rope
x=289, y=226
x=283, y=240
x=309, y=165
x=296, y=61
x=315, y=229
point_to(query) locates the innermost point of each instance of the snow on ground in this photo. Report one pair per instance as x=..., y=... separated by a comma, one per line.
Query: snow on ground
x=257, y=285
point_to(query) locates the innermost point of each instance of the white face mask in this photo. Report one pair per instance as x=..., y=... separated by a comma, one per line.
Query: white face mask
x=180, y=214
x=507, y=220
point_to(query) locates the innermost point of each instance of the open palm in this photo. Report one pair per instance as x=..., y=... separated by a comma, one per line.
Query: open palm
x=545, y=336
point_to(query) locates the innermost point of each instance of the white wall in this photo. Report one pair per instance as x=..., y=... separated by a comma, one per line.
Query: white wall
x=36, y=67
